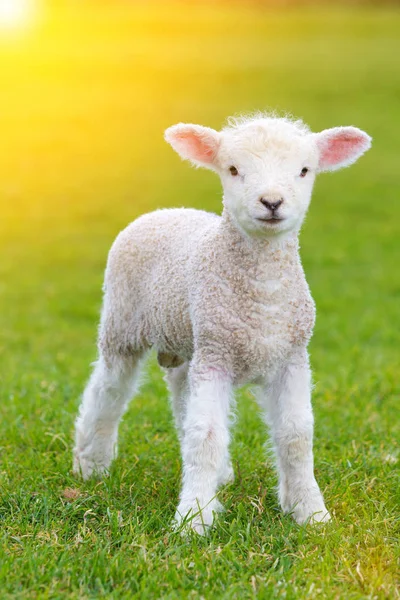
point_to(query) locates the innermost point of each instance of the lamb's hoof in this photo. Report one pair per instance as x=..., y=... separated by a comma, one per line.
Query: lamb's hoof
x=310, y=514
x=189, y=518
x=320, y=517
x=306, y=506
x=87, y=467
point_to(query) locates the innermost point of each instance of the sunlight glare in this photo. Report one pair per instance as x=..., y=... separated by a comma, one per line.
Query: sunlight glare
x=15, y=13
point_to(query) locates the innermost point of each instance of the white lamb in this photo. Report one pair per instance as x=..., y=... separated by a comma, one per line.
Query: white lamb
x=224, y=301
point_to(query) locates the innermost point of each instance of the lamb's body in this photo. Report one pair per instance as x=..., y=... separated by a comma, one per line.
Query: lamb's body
x=224, y=301
x=148, y=279
x=186, y=281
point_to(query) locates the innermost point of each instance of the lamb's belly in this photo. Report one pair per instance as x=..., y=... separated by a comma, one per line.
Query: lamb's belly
x=173, y=332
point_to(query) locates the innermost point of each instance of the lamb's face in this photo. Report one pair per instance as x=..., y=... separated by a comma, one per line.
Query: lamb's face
x=268, y=165
x=267, y=177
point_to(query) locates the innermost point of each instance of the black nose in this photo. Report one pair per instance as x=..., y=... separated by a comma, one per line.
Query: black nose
x=271, y=205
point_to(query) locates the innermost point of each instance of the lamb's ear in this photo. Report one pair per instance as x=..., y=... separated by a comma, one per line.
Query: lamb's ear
x=340, y=147
x=195, y=143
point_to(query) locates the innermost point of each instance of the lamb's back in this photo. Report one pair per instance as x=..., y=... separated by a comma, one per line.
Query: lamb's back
x=146, y=281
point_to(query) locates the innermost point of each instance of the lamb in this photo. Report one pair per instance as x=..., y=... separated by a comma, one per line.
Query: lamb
x=224, y=302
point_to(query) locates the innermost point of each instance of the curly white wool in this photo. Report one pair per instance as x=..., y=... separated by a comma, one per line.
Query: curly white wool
x=224, y=301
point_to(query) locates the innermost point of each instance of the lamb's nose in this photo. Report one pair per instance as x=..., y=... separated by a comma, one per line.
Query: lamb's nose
x=271, y=205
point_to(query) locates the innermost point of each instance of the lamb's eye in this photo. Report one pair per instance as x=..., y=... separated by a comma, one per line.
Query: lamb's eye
x=304, y=172
x=233, y=171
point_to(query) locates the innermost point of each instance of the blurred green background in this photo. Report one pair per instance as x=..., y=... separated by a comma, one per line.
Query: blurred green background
x=86, y=93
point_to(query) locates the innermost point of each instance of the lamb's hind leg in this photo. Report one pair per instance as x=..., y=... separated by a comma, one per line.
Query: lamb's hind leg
x=110, y=387
x=178, y=384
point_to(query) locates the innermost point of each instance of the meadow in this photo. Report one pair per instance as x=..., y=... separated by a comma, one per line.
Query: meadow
x=85, y=97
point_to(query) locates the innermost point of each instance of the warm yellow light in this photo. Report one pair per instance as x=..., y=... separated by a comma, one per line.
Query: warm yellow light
x=14, y=13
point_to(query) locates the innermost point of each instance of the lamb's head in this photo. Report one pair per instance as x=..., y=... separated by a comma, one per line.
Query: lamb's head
x=267, y=165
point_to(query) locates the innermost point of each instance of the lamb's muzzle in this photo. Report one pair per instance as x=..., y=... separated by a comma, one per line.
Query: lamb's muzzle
x=272, y=206
x=224, y=302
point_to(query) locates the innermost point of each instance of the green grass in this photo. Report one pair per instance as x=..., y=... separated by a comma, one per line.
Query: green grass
x=84, y=102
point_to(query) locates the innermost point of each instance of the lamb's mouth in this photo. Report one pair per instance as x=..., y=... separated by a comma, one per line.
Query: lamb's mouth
x=270, y=221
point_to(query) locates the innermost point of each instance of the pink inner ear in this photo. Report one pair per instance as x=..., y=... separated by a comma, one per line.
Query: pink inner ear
x=340, y=148
x=197, y=146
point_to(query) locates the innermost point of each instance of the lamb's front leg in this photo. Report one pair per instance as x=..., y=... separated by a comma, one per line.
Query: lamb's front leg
x=204, y=447
x=289, y=413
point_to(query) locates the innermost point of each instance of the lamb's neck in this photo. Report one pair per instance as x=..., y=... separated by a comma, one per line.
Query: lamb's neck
x=261, y=249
